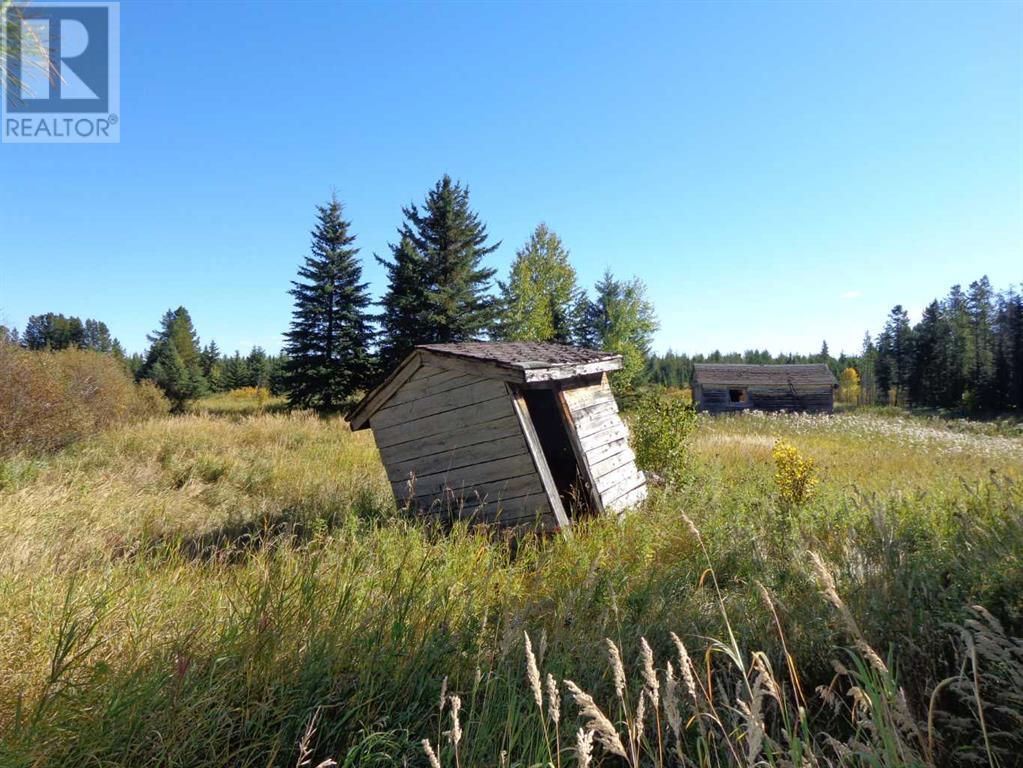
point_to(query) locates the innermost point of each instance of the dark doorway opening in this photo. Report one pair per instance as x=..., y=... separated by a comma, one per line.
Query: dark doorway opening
x=737, y=395
x=545, y=413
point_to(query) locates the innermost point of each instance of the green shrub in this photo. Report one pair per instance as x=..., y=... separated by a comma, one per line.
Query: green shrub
x=662, y=426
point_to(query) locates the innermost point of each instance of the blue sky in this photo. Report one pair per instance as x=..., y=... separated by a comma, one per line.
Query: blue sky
x=777, y=173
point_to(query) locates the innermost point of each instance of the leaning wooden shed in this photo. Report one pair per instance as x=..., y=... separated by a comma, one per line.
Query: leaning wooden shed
x=503, y=432
x=719, y=388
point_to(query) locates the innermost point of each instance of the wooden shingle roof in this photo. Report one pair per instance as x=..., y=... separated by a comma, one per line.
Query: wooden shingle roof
x=522, y=355
x=517, y=362
x=735, y=375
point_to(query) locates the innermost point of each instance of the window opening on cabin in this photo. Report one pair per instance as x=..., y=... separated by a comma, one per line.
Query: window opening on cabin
x=556, y=445
x=737, y=395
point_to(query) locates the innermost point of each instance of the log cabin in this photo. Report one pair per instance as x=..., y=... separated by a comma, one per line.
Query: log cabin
x=505, y=433
x=719, y=388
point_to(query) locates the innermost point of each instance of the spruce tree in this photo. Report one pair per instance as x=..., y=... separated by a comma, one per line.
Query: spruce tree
x=212, y=368
x=895, y=355
x=328, y=346
x=173, y=360
x=96, y=336
x=259, y=368
x=236, y=372
x=981, y=370
x=539, y=298
x=438, y=289
x=620, y=319
x=404, y=304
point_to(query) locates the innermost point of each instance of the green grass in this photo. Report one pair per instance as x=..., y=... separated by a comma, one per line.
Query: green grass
x=190, y=590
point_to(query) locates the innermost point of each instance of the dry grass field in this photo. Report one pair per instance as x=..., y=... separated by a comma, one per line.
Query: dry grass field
x=201, y=589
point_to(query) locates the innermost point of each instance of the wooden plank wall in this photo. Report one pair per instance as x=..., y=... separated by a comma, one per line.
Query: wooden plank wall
x=453, y=447
x=808, y=399
x=604, y=440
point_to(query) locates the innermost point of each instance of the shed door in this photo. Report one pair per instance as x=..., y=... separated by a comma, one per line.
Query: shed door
x=556, y=444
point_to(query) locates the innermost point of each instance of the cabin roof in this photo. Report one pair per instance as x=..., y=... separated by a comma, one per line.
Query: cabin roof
x=518, y=362
x=735, y=375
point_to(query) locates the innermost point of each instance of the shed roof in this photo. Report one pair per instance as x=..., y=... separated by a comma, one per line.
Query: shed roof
x=522, y=355
x=811, y=375
x=519, y=362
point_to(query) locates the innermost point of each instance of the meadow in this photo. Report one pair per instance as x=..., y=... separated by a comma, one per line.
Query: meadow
x=234, y=587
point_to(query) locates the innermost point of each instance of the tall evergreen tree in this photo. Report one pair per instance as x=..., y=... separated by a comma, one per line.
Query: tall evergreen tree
x=236, y=372
x=212, y=367
x=173, y=360
x=96, y=336
x=897, y=351
x=54, y=332
x=541, y=293
x=438, y=289
x=981, y=371
x=328, y=346
x=960, y=353
x=405, y=304
x=620, y=319
x=1011, y=331
x=868, y=360
x=278, y=374
x=259, y=368
x=883, y=375
x=927, y=371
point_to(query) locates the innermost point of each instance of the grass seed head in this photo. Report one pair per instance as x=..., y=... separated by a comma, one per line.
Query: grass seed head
x=650, y=680
x=584, y=747
x=533, y=673
x=553, y=699
x=596, y=721
x=617, y=668
x=455, y=734
x=671, y=710
x=686, y=669
x=430, y=754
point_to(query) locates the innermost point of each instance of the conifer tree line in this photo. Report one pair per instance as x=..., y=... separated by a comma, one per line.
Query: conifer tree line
x=56, y=332
x=966, y=352
x=185, y=370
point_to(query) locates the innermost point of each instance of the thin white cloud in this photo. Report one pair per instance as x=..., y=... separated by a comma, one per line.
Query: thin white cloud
x=852, y=295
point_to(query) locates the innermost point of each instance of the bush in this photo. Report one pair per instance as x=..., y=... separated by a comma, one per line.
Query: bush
x=260, y=394
x=51, y=399
x=662, y=426
x=795, y=475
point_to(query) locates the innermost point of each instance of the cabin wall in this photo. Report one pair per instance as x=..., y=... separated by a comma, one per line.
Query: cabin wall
x=603, y=439
x=697, y=394
x=819, y=399
x=453, y=447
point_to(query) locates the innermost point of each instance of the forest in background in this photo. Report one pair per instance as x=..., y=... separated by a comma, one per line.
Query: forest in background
x=965, y=353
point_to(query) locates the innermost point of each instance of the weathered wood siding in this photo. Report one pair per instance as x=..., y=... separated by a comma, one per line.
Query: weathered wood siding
x=810, y=399
x=453, y=447
x=603, y=440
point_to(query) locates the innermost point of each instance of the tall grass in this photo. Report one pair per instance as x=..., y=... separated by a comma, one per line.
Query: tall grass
x=244, y=401
x=193, y=590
